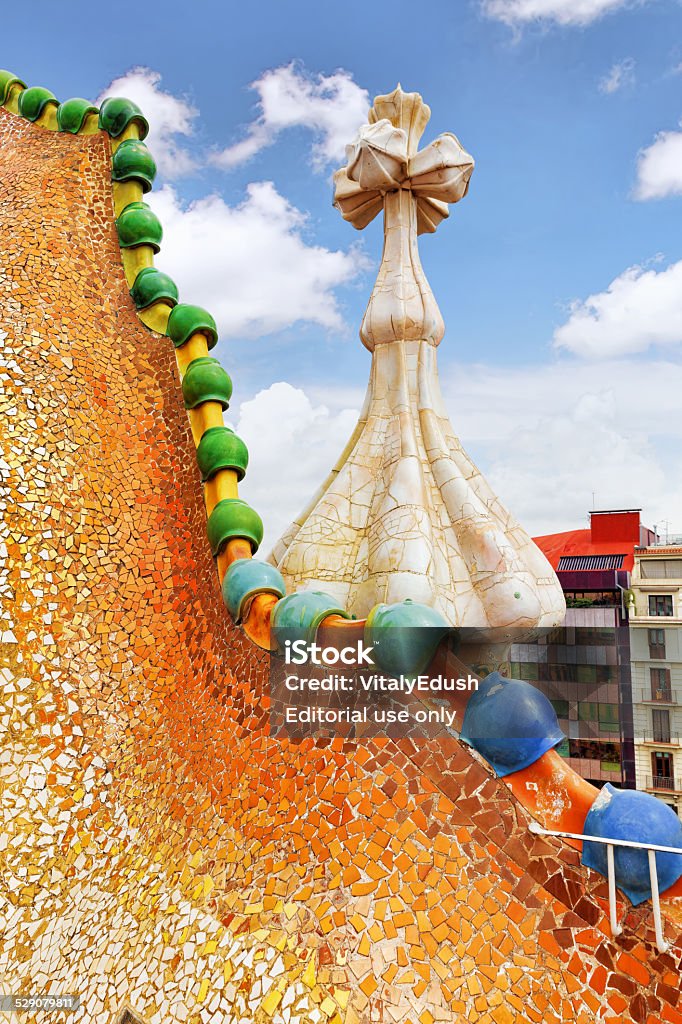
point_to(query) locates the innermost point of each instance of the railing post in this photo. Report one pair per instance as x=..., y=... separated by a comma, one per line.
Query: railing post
x=616, y=928
x=661, y=944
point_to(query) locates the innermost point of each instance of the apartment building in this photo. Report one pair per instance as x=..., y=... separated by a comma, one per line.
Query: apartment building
x=655, y=615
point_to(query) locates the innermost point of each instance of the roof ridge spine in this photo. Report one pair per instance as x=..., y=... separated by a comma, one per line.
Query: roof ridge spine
x=192, y=329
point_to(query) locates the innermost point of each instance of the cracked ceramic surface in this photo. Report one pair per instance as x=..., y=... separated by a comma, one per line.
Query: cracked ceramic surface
x=405, y=512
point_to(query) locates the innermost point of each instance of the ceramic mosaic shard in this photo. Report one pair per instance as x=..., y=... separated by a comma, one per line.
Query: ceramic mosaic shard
x=404, y=512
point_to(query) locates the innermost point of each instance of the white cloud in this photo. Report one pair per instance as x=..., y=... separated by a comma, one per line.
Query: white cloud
x=563, y=12
x=168, y=116
x=659, y=167
x=620, y=75
x=548, y=436
x=250, y=264
x=332, y=106
x=280, y=425
x=641, y=308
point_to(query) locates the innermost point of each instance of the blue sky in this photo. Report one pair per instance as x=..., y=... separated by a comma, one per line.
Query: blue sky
x=559, y=276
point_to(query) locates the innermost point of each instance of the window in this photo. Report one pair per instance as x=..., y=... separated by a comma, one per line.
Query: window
x=590, y=598
x=661, y=568
x=661, y=604
x=660, y=684
x=599, y=750
x=609, y=755
x=662, y=770
x=524, y=670
x=588, y=711
x=662, y=764
x=573, y=562
x=657, y=643
x=609, y=720
x=596, y=635
x=661, y=722
x=561, y=708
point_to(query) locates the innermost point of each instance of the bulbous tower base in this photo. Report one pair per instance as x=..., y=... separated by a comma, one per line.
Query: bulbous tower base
x=405, y=513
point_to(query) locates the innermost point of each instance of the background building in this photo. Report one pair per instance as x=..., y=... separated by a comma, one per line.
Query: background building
x=656, y=653
x=584, y=667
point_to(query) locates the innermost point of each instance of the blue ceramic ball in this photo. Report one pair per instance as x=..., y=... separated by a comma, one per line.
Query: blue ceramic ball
x=510, y=723
x=641, y=818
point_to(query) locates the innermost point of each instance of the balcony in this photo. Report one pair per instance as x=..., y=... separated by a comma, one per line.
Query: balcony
x=660, y=783
x=651, y=741
x=645, y=618
x=663, y=696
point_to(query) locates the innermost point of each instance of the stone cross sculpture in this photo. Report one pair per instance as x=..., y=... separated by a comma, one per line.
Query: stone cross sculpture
x=404, y=512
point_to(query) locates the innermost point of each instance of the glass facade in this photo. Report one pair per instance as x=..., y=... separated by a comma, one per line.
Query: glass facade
x=584, y=669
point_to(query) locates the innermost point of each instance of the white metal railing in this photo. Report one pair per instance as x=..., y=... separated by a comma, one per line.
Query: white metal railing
x=651, y=848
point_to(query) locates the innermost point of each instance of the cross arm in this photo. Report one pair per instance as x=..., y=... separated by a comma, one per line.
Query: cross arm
x=378, y=163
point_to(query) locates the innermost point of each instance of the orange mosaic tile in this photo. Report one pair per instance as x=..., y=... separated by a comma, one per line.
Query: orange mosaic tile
x=161, y=851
